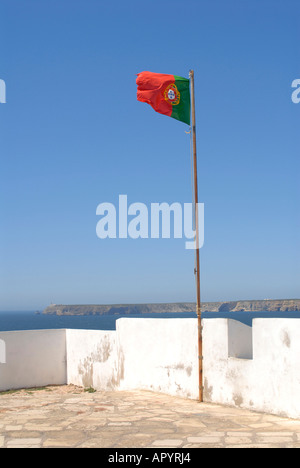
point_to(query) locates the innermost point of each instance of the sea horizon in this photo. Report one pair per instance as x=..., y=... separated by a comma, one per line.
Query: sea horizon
x=31, y=320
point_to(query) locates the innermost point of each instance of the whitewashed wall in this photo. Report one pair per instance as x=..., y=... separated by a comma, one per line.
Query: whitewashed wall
x=92, y=358
x=270, y=382
x=159, y=355
x=254, y=368
x=32, y=358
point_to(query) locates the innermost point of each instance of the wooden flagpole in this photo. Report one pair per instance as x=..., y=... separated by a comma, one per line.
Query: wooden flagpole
x=197, y=268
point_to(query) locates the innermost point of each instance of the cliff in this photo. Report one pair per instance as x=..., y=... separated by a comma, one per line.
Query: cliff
x=268, y=305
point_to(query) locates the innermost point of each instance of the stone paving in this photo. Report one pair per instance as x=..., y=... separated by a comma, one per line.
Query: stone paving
x=70, y=417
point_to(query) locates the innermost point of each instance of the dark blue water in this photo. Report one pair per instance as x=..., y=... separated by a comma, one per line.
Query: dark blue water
x=10, y=321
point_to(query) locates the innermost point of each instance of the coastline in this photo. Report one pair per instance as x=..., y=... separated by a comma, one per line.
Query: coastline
x=268, y=305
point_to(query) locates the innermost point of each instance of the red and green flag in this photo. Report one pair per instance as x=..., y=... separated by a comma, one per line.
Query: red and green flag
x=167, y=94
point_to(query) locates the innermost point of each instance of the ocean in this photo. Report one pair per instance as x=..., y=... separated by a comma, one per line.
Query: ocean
x=29, y=320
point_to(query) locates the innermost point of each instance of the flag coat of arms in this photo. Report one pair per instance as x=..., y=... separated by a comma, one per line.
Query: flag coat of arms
x=167, y=94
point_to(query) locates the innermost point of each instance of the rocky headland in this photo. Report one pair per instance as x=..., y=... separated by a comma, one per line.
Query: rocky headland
x=267, y=305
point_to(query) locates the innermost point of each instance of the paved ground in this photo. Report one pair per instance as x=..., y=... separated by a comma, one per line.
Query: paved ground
x=67, y=416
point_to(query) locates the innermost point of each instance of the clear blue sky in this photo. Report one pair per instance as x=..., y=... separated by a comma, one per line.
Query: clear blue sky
x=73, y=135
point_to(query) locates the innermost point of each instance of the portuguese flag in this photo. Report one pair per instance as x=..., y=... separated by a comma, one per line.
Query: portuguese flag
x=167, y=94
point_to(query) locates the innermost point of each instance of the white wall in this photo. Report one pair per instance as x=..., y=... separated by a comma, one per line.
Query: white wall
x=33, y=358
x=254, y=368
x=270, y=382
x=239, y=340
x=92, y=358
x=159, y=355
x=154, y=354
x=2, y=352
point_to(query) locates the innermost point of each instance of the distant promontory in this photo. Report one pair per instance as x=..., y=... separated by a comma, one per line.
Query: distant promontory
x=267, y=305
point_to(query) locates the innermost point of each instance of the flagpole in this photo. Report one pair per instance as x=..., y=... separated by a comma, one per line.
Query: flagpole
x=197, y=268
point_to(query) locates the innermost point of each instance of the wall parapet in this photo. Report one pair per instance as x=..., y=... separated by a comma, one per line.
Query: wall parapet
x=269, y=382
x=251, y=367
